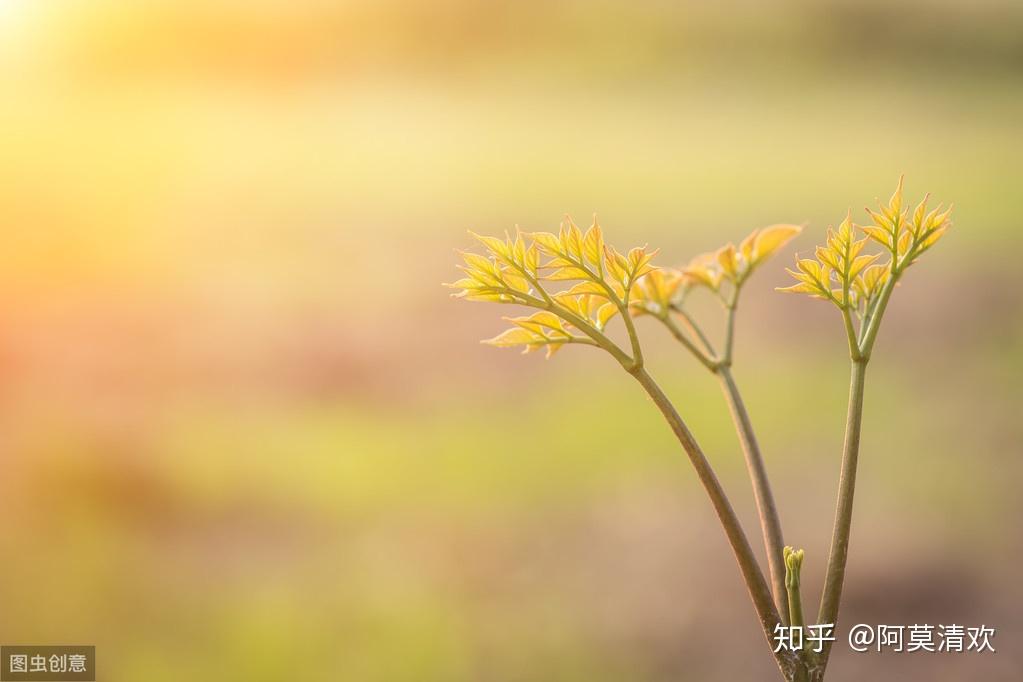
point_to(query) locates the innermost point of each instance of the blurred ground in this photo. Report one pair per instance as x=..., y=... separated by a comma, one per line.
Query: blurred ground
x=245, y=435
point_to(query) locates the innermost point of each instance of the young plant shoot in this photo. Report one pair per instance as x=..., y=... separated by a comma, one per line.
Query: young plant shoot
x=575, y=284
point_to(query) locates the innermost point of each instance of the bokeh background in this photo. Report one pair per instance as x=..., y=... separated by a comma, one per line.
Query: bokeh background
x=245, y=434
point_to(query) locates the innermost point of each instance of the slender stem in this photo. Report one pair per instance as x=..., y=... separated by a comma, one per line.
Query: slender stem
x=637, y=350
x=696, y=331
x=770, y=523
x=870, y=335
x=730, y=306
x=868, y=315
x=795, y=607
x=630, y=327
x=752, y=576
x=708, y=361
x=854, y=346
x=839, y=553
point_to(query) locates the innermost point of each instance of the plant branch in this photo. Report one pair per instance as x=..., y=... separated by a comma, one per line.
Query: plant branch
x=770, y=523
x=870, y=334
x=752, y=576
x=696, y=331
x=730, y=306
x=839, y=553
x=850, y=331
x=708, y=361
x=637, y=351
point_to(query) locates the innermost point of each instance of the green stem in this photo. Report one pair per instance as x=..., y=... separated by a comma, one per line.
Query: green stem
x=874, y=324
x=730, y=306
x=854, y=347
x=752, y=576
x=694, y=328
x=770, y=523
x=795, y=607
x=837, y=557
x=623, y=309
x=708, y=361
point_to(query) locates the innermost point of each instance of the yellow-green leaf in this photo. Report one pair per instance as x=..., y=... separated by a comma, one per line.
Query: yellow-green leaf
x=605, y=313
x=587, y=287
x=516, y=336
x=895, y=203
x=496, y=246
x=570, y=272
x=704, y=270
x=727, y=261
x=879, y=235
x=593, y=247
x=771, y=238
x=571, y=239
x=616, y=264
x=860, y=263
x=548, y=243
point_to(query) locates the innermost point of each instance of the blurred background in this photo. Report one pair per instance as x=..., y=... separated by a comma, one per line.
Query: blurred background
x=246, y=435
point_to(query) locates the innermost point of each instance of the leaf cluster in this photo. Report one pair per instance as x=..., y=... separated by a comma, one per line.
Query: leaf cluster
x=526, y=268
x=666, y=288
x=601, y=283
x=858, y=282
